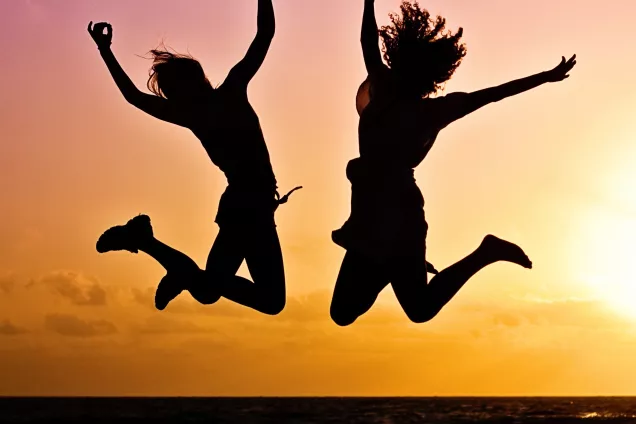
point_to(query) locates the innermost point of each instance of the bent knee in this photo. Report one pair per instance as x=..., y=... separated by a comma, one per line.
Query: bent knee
x=420, y=315
x=274, y=306
x=207, y=298
x=342, y=318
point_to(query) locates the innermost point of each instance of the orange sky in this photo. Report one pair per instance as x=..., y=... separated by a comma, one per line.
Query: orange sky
x=551, y=170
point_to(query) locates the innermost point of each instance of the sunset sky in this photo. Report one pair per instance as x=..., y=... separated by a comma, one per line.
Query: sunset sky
x=552, y=170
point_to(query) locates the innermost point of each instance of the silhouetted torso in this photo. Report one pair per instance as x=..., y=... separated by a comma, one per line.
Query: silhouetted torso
x=387, y=216
x=230, y=131
x=396, y=133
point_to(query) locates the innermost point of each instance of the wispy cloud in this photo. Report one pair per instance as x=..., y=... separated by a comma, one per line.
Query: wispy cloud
x=75, y=287
x=7, y=284
x=163, y=325
x=8, y=329
x=72, y=326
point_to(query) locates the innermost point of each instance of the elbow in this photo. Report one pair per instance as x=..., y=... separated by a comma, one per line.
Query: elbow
x=130, y=99
x=132, y=96
x=266, y=32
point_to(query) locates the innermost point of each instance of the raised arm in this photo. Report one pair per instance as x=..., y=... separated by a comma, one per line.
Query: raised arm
x=152, y=105
x=369, y=39
x=457, y=105
x=244, y=71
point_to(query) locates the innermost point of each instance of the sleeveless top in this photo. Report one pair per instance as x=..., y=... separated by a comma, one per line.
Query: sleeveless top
x=387, y=216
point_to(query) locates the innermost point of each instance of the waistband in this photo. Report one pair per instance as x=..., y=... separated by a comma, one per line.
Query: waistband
x=260, y=192
x=360, y=171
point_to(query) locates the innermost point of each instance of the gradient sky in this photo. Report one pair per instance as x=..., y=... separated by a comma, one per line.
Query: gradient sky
x=551, y=170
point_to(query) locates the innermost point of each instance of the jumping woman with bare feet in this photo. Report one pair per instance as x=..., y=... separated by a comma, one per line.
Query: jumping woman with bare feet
x=227, y=126
x=385, y=235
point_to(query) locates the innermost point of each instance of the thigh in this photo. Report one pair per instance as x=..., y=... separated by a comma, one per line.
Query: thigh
x=360, y=281
x=227, y=253
x=409, y=280
x=264, y=258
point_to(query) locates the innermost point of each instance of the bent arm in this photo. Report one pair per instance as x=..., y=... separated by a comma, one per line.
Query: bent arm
x=152, y=105
x=244, y=71
x=369, y=39
x=458, y=105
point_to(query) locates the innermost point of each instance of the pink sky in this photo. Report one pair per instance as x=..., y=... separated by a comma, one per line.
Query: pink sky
x=551, y=170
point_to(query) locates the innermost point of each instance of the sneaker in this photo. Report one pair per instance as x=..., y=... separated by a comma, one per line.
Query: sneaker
x=126, y=237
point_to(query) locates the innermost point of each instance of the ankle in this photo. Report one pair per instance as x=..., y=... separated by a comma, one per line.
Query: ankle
x=146, y=244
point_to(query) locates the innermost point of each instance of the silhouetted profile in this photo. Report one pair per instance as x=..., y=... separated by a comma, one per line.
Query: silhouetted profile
x=227, y=126
x=385, y=235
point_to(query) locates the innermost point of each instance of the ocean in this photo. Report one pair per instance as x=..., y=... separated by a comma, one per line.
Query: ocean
x=318, y=410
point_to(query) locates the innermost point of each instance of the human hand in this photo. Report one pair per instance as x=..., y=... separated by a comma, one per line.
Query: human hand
x=560, y=72
x=97, y=33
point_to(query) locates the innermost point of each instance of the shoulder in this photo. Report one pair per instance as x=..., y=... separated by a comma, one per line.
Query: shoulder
x=442, y=103
x=435, y=109
x=231, y=92
x=363, y=97
x=377, y=87
x=232, y=86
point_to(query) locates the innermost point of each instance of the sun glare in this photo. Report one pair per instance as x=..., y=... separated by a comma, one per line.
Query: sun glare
x=607, y=246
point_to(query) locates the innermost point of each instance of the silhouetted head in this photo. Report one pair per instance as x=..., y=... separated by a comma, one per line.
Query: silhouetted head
x=177, y=76
x=421, y=54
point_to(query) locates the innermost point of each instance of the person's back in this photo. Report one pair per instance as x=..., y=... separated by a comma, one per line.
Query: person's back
x=385, y=235
x=230, y=131
x=396, y=132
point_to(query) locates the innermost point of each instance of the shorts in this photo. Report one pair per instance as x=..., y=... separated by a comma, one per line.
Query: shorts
x=387, y=213
x=242, y=207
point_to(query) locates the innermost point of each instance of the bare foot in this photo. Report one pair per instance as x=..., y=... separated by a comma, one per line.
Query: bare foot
x=502, y=250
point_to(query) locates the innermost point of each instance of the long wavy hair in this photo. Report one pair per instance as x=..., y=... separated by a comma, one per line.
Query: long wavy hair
x=420, y=51
x=173, y=74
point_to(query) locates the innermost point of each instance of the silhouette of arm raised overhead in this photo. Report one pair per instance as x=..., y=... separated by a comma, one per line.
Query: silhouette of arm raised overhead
x=244, y=71
x=457, y=105
x=153, y=105
x=369, y=39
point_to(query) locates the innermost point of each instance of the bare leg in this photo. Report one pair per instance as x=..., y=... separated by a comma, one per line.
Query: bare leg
x=261, y=249
x=137, y=235
x=232, y=245
x=183, y=274
x=171, y=259
x=422, y=302
x=259, y=245
x=360, y=281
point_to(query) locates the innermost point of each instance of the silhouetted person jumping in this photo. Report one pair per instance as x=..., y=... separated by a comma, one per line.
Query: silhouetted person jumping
x=227, y=126
x=385, y=235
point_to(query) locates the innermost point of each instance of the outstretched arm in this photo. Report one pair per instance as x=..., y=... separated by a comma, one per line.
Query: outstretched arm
x=244, y=71
x=152, y=105
x=457, y=105
x=369, y=39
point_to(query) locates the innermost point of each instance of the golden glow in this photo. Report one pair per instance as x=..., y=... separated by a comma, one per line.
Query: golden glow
x=608, y=239
x=552, y=170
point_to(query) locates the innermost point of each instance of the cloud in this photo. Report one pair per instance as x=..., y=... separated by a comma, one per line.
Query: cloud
x=309, y=309
x=72, y=326
x=144, y=297
x=162, y=325
x=8, y=329
x=73, y=286
x=185, y=304
x=7, y=284
x=507, y=320
x=563, y=313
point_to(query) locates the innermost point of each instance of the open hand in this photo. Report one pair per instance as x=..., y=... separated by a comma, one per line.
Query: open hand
x=97, y=32
x=561, y=71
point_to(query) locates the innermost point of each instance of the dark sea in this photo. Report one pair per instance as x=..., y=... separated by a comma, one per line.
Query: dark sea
x=318, y=410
